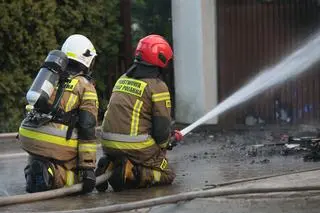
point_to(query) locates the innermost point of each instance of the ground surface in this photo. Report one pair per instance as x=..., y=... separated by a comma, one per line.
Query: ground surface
x=205, y=158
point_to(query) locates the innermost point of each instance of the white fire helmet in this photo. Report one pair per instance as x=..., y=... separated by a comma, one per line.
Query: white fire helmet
x=79, y=48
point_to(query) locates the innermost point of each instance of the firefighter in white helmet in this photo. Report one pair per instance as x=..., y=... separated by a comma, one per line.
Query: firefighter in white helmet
x=62, y=150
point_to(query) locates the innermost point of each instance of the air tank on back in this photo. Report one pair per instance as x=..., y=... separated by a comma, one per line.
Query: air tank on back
x=47, y=80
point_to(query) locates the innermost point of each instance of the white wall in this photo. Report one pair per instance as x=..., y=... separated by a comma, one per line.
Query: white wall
x=195, y=58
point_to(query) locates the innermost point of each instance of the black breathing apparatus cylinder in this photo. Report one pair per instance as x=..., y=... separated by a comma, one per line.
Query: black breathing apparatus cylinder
x=47, y=80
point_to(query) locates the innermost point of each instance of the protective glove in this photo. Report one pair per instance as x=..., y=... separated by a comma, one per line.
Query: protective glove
x=88, y=180
x=175, y=138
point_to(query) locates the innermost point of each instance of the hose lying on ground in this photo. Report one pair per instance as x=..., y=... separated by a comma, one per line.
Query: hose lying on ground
x=212, y=186
x=15, y=199
x=8, y=136
x=189, y=196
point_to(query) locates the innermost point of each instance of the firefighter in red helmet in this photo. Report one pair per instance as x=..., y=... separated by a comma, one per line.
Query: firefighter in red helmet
x=136, y=127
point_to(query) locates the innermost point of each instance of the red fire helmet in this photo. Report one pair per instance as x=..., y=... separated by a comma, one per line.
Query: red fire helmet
x=154, y=50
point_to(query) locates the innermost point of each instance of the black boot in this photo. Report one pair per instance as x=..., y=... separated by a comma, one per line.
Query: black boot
x=102, y=167
x=39, y=176
x=123, y=176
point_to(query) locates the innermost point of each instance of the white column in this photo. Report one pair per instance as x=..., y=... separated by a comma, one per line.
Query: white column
x=195, y=58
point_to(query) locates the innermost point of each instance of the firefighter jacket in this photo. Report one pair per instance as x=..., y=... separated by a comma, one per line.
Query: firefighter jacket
x=50, y=139
x=138, y=115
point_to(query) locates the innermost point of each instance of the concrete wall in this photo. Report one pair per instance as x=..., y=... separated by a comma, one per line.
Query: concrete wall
x=195, y=58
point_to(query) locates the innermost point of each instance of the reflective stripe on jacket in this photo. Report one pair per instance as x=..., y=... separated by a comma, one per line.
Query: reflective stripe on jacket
x=50, y=140
x=128, y=120
x=128, y=145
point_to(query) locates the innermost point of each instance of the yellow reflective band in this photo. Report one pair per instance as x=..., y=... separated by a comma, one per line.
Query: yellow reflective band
x=130, y=86
x=69, y=178
x=90, y=93
x=135, y=118
x=161, y=99
x=127, y=145
x=161, y=96
x=87, y=148
x=72, y=55
x=90, y=96
x=70, y=86
x=164, y=164
x=50, y=171
x=71, y=102
x=156, y=175
x=48, y=138
x=164, y=145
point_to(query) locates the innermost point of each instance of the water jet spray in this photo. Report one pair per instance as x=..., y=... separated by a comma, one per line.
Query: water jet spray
x=296, y=63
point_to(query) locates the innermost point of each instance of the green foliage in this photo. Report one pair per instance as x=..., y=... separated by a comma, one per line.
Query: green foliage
x=151, y=17
x=98, y=20
x=26, y=35
x=29, y=29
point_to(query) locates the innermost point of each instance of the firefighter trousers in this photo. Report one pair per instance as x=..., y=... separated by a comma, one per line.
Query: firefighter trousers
x=44, y=174
x=149, y=172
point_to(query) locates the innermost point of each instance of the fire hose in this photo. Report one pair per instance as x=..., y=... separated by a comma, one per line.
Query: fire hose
x=15, y=199
x=151, y=202
x=190, y=196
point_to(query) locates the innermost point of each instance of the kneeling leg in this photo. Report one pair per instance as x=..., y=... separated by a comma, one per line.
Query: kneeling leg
x=39, y=176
